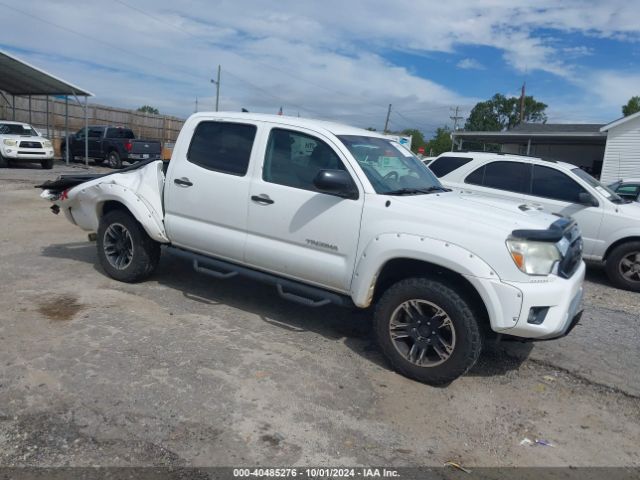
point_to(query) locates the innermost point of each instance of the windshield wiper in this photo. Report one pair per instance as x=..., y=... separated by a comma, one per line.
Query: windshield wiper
x=415, y=191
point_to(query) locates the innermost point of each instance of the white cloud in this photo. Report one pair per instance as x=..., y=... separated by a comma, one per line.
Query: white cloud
x=319, y=58
x=470, y=64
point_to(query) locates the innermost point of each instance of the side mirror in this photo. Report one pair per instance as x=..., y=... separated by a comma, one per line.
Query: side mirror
x=587, y=199
x=335, y=182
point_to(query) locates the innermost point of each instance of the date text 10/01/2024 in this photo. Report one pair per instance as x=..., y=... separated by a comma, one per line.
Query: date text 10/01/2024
x=315, y=472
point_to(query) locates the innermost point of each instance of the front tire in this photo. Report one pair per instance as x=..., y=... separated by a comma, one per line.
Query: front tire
x=125, y=250
x=623, y=266
x=427, y=331
x=114, y=160
x=3, y=162
x=47, y=164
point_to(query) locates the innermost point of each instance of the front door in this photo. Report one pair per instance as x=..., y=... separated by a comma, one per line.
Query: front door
x=556, y=192
x=293, y=229
x=207, y=190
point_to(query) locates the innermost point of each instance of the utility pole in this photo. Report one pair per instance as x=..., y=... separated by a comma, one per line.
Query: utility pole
x=522, y=103
x=196, y=111
x=217, y=83
x=386, y=122
x=455, y=117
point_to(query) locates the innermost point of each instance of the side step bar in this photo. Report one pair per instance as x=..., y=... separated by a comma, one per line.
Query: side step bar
x=291, y=290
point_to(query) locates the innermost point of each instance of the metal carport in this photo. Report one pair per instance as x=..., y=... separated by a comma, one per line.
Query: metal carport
x=20, y=78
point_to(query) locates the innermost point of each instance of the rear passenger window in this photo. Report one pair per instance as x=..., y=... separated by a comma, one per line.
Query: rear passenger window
x=551, y=183
x=222, y=147
x=294, y=159
x=444, y=165
x=509, y=176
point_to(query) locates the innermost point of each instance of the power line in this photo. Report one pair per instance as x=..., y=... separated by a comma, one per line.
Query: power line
x=287, y=73
x=416, y=122
x=84, y=35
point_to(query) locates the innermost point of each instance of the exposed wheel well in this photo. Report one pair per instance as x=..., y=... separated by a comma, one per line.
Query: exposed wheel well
x=110, y=206
x=400, y=268
x=618, y=243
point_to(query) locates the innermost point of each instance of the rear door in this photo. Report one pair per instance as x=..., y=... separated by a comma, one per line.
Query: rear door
x=507, y=180
x=207, y=189
x=293, y=229
x=558, y=193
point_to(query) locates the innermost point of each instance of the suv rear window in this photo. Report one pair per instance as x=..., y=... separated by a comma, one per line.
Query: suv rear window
x=222, y=147
x=509, y=176
x=444, y=165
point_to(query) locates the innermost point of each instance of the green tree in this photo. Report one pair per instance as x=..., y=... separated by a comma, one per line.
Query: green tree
x=440, y=143
x=417, y=139
x=148, y=109
x=632, y=106
x=499, y=113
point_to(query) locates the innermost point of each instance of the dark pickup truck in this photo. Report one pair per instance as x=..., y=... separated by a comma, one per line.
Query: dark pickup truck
x=111, y=144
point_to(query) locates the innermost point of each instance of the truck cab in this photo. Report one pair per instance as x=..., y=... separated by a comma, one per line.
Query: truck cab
x=335, y=214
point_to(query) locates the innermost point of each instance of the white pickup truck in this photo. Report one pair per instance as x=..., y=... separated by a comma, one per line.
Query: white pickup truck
x=334, y=214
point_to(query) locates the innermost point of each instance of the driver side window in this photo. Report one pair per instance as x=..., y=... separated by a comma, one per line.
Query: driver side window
x=294, y=159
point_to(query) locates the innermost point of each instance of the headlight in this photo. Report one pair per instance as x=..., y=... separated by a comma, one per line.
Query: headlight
x=533, y=258
x=46, y=144
x=11, y=143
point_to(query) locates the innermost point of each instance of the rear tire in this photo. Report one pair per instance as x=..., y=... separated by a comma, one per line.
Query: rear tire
x=47, y=164
x=427, y=331
x=623, y=266
x=114, y=160
x=125, y=250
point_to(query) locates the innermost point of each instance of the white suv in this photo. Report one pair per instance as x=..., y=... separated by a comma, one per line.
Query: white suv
x=20, y=142
x=610, y=225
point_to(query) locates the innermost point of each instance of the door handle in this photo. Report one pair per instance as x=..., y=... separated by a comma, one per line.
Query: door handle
x=183, y=182
x=262, y=198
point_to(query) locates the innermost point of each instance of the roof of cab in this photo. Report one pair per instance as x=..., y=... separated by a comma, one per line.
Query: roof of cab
x=319, y=125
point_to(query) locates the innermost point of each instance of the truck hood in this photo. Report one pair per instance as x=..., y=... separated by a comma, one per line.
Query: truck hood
x=475, y=211
x=26, y=138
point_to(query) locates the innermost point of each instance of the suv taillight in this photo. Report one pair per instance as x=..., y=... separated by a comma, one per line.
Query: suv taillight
x=128, y=145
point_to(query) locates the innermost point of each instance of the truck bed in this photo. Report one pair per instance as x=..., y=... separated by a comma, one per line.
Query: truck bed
x=64, y=182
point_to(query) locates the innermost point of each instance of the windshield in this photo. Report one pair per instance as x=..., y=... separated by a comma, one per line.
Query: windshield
x=391, y=168
x=602, y=189
x=16, y=129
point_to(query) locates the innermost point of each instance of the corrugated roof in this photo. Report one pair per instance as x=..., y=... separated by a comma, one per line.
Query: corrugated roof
x=20, y=78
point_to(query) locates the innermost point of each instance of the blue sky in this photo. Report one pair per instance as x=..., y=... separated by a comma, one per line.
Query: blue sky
x=338, y=60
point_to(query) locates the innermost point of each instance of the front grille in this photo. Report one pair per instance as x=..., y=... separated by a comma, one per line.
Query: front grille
x=571, y=261
x=27, y=152
x=30, y=145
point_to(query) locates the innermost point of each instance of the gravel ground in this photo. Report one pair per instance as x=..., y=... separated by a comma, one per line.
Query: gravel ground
x=184, y=370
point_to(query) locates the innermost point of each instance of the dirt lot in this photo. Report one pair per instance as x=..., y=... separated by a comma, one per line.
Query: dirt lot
x=187, y=370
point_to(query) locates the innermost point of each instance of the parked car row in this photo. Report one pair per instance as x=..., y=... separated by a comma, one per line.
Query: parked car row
x=610, y=225
x=335, y=214
x=21, y=143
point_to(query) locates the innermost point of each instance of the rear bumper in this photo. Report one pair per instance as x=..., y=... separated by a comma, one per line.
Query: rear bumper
x=136, y=157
